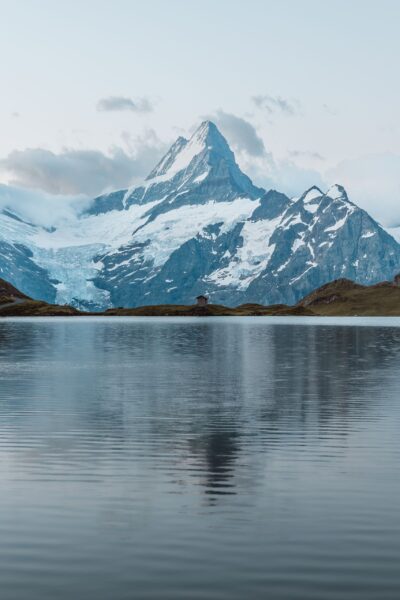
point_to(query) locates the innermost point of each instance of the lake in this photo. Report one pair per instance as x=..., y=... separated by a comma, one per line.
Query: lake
x=210, y=459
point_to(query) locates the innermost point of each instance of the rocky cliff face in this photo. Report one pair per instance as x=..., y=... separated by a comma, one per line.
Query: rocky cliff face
x=198, y=225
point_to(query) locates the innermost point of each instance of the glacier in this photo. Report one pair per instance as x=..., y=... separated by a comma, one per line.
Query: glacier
x=196, y=225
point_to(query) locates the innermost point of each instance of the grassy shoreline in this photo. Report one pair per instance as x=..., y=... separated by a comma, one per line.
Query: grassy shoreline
x=341, y=297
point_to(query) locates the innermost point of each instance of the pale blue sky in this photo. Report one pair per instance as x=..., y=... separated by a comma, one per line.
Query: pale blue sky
x=325, y=75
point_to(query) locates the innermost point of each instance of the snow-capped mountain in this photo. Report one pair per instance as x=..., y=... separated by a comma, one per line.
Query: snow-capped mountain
x=197, y=225
x=192, y=172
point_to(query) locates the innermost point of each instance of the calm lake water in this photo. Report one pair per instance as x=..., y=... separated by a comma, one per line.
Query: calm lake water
x=199, y=459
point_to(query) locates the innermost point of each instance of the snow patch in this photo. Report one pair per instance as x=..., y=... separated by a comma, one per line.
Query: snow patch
x=187, y=152
x=251, y=259
x=201, y=177
x=335, y=192
x=169, y=231
x=312, y=195
x=338, y=225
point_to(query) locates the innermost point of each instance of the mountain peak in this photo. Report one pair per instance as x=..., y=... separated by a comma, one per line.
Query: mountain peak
x=337, y=192
x=206, y=130
x=210, y=136
x=311, y=194
x=205, y=127
x=206, y=139
x=167, y=162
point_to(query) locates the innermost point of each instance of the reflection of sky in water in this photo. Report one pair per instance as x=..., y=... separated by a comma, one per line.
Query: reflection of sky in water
x=232, y=457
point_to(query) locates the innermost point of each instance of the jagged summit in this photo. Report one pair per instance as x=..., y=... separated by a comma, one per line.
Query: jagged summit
x=311, y=194
x=193, y=171
x=210, y=136
x=337, y=192
x=314, y=198
x=205, y=147
x=167, y=161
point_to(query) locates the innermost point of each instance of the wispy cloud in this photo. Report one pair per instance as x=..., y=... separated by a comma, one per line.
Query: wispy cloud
x=328, y=109
x=39, y=207
x=276, y=104
x=306, y=154
x=122, y=103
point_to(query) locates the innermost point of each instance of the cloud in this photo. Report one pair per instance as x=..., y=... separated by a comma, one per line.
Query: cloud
x=282, y=175
x=89, y=172
x=258, y=162
x=331, y=111
x=241, y=134
x=306, y=154
x=293, y=180
x=276, y=104
x=40, y=208
x=121, y=103
x=372, y=182
x=70, y=171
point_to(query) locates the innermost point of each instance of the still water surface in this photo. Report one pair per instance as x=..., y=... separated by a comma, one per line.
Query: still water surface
x=206, y=459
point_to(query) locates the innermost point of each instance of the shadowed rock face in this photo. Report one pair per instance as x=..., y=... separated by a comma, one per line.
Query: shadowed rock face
x=196, y=226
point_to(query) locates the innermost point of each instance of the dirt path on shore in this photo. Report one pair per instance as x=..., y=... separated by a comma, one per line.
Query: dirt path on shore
x=16, y=301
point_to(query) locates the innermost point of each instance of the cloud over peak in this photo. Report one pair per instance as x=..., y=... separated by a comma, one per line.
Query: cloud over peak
x=241, y=134
x=258, y=162
x=123, y=103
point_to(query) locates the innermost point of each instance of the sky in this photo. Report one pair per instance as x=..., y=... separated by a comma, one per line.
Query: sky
x=306, y=92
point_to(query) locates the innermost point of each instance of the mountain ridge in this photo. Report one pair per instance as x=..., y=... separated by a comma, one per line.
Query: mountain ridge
x=197, y=224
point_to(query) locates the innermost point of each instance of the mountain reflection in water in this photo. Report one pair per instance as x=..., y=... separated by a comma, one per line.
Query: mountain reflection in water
x=198, y=458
